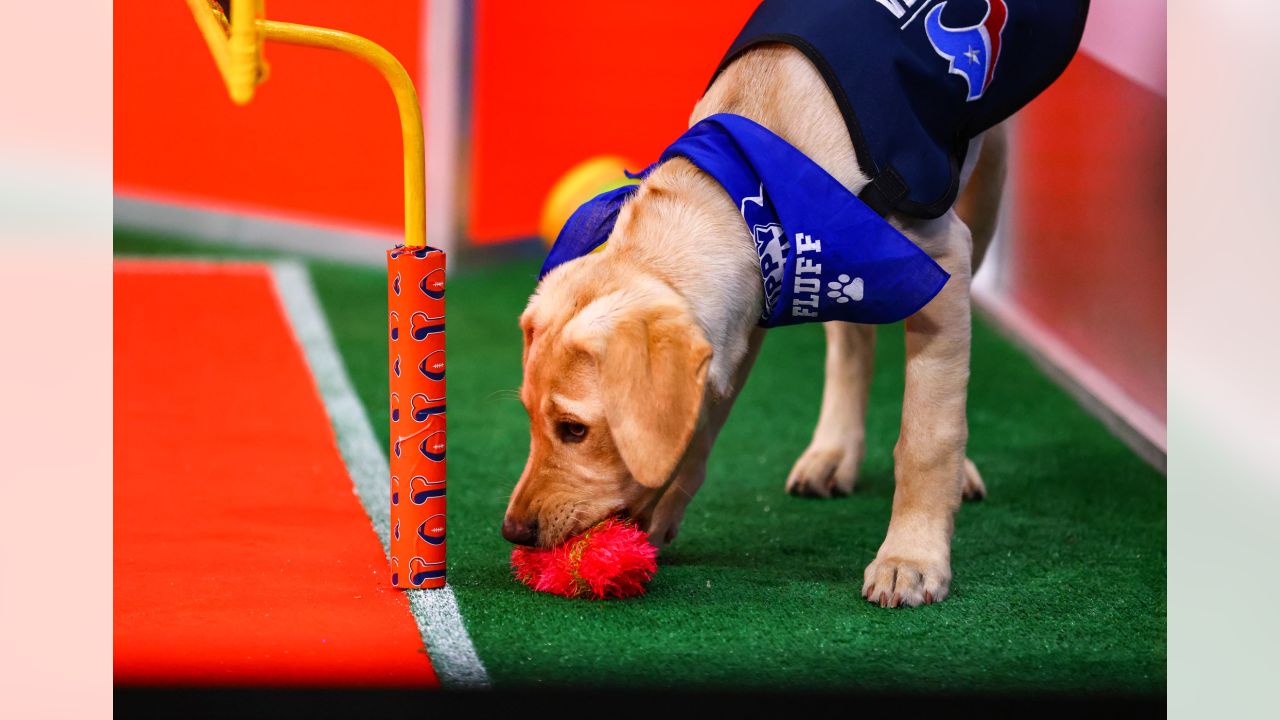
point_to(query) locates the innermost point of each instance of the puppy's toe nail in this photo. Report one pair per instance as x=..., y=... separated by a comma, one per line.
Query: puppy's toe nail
x=897, y=600
x=928, y=597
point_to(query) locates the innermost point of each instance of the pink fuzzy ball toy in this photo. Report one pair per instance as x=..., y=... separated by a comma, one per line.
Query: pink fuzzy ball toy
x=613, y=559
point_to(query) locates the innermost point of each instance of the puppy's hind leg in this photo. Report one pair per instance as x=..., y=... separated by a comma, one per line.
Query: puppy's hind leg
x=829, y=466
x=979, y=207
x=979, y=202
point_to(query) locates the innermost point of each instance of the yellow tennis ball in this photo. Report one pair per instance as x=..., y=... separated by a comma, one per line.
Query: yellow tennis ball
x=583, y=182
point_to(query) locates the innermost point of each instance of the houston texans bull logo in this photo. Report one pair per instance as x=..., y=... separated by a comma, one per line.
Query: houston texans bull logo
x=971, y=51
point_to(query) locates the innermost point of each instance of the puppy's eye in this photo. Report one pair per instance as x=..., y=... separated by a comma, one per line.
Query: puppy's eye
x=571, y=432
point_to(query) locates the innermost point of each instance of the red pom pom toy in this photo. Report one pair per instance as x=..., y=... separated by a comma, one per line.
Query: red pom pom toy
x=611, y=560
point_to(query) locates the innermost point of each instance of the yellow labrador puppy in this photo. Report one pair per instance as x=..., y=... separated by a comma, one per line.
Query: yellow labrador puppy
x=633, y=355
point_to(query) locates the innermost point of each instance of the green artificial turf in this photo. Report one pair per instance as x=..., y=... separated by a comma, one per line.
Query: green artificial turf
x=1059, y=575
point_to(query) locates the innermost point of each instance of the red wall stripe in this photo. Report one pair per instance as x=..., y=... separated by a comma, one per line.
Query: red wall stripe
x=1087, y=256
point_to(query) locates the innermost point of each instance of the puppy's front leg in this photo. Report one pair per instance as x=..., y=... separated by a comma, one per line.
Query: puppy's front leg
x=913, y=565
x=663, y=523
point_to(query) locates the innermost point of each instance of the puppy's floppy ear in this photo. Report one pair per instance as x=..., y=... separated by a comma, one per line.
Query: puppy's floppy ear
x=526, y=327
x=652, y=361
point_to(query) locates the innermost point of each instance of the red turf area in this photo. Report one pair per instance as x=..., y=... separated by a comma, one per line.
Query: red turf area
x=242, y=556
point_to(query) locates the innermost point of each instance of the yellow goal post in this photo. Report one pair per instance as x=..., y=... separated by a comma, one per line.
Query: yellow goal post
x=236, y=32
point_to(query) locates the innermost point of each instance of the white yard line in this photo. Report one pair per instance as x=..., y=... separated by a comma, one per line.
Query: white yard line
x=436, y=611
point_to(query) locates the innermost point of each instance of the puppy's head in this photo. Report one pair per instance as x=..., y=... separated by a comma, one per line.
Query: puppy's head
x=615, y=367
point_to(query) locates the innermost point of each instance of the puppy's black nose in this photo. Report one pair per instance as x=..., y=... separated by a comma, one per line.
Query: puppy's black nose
x=520, y=533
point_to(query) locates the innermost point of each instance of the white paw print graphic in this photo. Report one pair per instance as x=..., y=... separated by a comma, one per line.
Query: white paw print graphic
x=844, y=289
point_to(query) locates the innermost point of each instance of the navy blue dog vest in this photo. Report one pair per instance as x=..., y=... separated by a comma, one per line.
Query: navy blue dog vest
x=917, y=79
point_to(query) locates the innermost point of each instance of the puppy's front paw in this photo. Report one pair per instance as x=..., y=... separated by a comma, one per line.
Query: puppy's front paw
x=908, y=573
x=824, y=472
x=661, y=534
x=664, y=523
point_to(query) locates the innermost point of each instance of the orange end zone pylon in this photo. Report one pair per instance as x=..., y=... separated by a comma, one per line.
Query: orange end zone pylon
x=415, y=298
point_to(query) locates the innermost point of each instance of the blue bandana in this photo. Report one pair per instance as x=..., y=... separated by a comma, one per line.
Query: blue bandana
x=824, y=254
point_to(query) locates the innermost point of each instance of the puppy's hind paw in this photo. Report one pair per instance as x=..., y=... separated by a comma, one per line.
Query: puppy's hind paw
x=824, y=472
x=973, y=487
